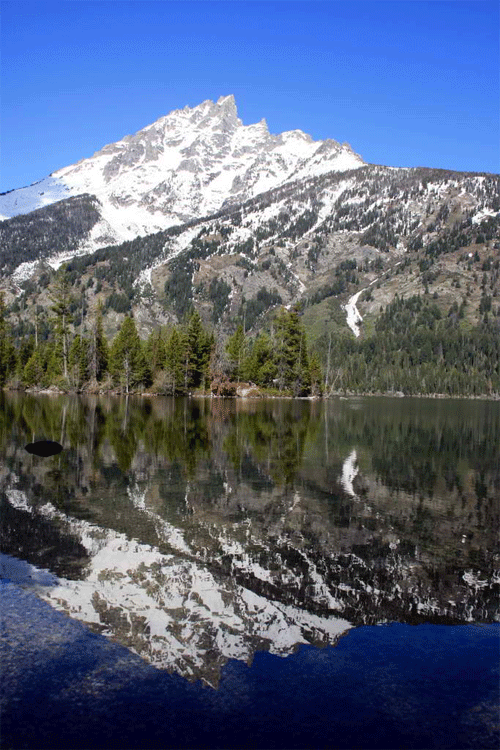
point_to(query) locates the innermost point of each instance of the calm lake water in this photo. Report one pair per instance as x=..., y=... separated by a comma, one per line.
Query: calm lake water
x=268, y=573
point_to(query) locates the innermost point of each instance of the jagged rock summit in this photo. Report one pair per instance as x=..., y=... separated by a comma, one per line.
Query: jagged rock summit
x=187, y=164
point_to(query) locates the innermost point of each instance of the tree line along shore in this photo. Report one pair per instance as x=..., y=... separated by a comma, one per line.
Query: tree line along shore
x=414, y=349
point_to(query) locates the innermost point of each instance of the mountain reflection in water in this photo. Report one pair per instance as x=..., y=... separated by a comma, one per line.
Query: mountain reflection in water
x=197, y=531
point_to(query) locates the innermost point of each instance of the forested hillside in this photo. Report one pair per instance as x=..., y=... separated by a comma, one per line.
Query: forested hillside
x=59, y=228
x=419, y=248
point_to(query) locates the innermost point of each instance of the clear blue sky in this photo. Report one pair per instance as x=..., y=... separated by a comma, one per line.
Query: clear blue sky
x=406, y=83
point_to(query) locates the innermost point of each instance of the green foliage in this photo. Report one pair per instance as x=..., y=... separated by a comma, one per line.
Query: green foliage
x=401, y=314
x=176, y=362
x=235, y=348
x=121, y=303
x=291, y=356
x=259, y=366
x=416, y=350
x=257, y=305
x=218, y=293
x=127, y=359
x=344, y=275
x=198, y=349
x=53, y=358
x=7, y=350
x=59, y=227
x=155, y=351
x=178, y=289
x=98, y=351
x=26, y=349
x=315, y=374
x=79, y=361
x=33, y=370
x=62, y=301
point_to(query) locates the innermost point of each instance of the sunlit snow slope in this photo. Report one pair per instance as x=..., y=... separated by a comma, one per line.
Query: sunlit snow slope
x=185, y=165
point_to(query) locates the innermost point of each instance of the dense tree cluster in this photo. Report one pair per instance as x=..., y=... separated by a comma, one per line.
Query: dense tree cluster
x=175, y=361
x=47, y=231
x=253, y=308
x=345, y=274
x=415, y=349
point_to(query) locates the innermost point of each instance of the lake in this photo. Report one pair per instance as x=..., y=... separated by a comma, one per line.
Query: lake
x=250, y=573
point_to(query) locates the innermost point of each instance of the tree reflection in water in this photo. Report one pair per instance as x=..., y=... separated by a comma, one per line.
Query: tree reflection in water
x=194, y=531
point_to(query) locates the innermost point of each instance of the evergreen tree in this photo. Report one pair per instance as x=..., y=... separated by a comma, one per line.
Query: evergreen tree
x=155, y=351
x=26, y=349
x=98, y=349
x=174, y=362
x=79, y=361
x=235, y=348
x=288, y=349
x=315, y=375
x=198, y=349
x=302, y=374
x=7, y=351
x=127, y=359
x=259, y=365
x=54, y=357
x=62, y=299
x=33, y=371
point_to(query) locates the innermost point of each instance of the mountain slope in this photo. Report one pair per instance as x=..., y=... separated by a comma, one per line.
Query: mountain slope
x=346, y=244
x=373, y=228
x=185, y=165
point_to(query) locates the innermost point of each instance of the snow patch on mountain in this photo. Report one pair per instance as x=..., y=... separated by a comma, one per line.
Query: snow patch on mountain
x=40, y=194
x=24, y=271
x=353, y=315
x=482, y=215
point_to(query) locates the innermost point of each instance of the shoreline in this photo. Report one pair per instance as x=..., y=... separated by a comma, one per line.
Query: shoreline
x=54, y=390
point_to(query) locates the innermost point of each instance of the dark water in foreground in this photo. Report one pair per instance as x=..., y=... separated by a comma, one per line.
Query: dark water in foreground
x=250, y=574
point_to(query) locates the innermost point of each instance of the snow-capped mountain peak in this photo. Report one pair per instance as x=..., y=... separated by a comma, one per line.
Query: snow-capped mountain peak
x=186, y=164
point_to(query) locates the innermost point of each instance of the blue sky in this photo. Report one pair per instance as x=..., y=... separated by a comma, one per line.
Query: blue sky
x=406, y=83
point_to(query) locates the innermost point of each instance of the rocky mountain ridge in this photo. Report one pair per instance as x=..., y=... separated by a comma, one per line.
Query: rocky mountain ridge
x=190, y=163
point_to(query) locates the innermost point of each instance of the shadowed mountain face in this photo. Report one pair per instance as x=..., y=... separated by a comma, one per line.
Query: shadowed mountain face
x=207, y=530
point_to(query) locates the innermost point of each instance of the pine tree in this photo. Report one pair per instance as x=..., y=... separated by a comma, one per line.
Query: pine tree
x=174, y=362
x=98, y=349
x=127, y=360
x=78, y=361
x=33, y=371
x=315, y=374
x=7, y=351
x=62, y=299
x=26, y=349
x=54, y=357
x=287, y=339
x=259, y=365
x=235, y=348
x=155, y=351
x=302, y=375
x=197, y=352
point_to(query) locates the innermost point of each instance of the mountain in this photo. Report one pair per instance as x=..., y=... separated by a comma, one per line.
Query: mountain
x=201, y=210
x=185, y=165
